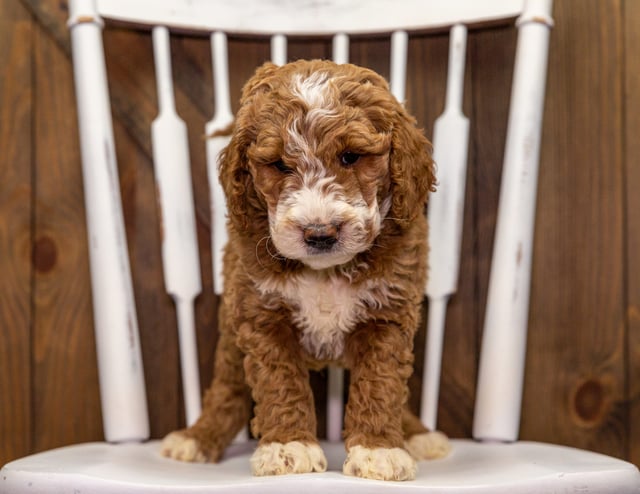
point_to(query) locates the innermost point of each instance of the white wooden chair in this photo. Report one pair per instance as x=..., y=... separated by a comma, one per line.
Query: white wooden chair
x=495, y=462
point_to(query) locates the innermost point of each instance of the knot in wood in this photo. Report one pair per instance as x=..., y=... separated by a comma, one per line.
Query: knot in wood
x=45, y=254
x=589, y=402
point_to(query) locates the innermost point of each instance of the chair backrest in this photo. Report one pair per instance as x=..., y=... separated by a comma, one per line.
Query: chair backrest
x=119, y=357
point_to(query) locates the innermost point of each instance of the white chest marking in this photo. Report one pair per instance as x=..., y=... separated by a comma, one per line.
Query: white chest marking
x=326, y=311
x=327, y=308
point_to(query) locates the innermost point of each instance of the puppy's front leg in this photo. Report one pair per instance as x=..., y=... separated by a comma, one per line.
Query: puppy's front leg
x=380, y=358
x=284, y=418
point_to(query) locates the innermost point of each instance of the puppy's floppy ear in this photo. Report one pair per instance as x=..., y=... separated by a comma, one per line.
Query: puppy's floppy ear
x=411, y=167
x=243, y=202
x=236, y=181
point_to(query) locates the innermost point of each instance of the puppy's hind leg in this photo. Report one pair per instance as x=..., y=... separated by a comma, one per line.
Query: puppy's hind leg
x=420, y=442
x=225, y=410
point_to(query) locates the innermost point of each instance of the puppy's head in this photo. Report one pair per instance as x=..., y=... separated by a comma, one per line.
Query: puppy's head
x=321, y=155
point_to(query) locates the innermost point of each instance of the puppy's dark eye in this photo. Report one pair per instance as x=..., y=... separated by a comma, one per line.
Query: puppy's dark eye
x=348, y=158
x=280, y=166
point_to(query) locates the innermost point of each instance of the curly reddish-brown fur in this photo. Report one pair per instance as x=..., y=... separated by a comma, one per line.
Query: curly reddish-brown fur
x=282, y=136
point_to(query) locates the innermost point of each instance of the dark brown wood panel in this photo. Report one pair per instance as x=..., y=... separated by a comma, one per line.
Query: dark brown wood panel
x=631, y=62
x=16, y=143
x=575, y=384
x=65, y=404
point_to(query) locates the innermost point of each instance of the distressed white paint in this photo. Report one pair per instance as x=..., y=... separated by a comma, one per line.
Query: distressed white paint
x=340, y=48
x=122, y=389
x=519, y=468
x=446, y=205
x=279, y=49
x=398, y=63
x=295, y=17
x=180, y=256
x=222, y=119
x=501, y=372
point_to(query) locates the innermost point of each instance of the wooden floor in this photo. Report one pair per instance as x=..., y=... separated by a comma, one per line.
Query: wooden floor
x=583, y=369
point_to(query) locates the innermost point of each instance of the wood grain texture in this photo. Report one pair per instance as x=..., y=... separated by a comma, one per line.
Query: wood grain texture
x=631, y=62
x=16, y=143
x=65, y=405
x=575, y=377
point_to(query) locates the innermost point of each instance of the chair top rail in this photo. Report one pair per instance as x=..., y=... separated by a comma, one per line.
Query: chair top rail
x=308, y=17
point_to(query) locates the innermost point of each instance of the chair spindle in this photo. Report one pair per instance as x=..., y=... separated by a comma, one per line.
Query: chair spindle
x=398, y=64
x=502, y=358
x=446, y=207
x=216, y=141
x=180, y=256
x=279, y=49
x=122, y=388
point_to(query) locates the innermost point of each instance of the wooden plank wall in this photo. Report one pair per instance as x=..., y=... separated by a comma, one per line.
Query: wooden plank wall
x=631, y=150
x=16, y=212
x=583, y=369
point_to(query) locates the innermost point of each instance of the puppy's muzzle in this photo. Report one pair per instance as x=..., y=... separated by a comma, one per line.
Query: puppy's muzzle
x=321, y=236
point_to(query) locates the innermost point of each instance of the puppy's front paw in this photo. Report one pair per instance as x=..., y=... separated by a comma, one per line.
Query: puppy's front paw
x=292, y=457
x=380, y=463
x=179, y=446
x=428, y=446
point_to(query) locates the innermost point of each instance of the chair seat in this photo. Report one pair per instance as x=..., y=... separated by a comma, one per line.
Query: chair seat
x=522, y=467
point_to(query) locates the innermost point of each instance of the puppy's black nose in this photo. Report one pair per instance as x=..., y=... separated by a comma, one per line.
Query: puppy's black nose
x=320, y=236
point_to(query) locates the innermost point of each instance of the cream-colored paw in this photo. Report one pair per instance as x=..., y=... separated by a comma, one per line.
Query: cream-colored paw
x=178, y=446
x=380, y=463
x=428, y=446
x=292, y=457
